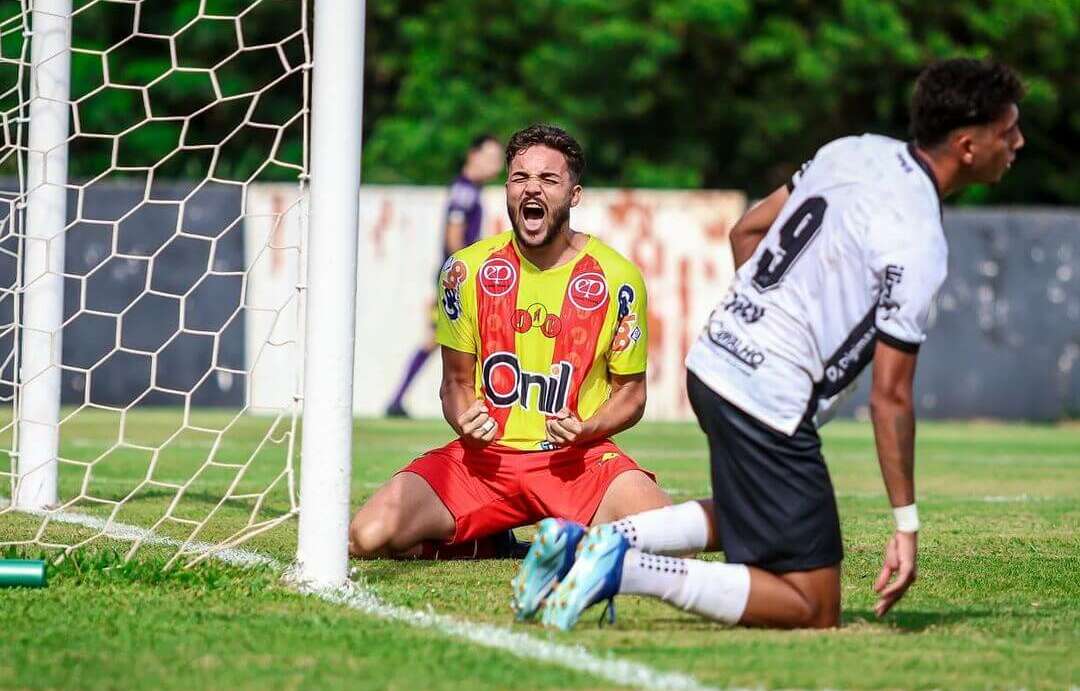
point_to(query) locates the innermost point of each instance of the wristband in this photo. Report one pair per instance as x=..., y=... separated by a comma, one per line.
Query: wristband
x=907, y=518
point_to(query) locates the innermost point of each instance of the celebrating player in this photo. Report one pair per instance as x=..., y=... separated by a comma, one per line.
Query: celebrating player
x=544, y=342
x=463, y=217
x=835, y=270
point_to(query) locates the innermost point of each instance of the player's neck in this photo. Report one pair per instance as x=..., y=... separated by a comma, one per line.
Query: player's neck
x=562, y=249
x=948, y=175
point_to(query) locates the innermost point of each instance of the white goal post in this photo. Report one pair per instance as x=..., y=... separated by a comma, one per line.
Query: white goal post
x=243, y=483
x=326, y=470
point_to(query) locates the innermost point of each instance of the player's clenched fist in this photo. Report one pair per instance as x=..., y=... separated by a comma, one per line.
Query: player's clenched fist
x=475, y=426
x=564, y=428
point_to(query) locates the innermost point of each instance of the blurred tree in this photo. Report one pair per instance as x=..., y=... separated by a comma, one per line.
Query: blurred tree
x=662, y=93
x=138, y=68
x=714, y=93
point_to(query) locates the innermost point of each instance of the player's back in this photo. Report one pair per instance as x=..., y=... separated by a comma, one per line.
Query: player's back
x=854, y=256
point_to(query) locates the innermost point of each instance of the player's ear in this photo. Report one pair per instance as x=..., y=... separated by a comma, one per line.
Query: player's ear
x=575, y=195
x=963, y=145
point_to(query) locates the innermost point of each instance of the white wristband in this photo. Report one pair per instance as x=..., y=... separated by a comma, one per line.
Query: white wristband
x=907, y=518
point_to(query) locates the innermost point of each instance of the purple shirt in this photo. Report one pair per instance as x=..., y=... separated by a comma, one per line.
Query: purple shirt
x=463, y=206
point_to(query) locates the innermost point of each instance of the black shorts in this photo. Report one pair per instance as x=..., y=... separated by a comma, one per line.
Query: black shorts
x=774, y=502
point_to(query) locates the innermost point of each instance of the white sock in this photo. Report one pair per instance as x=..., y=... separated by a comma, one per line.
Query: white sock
x=714, y=590
x=679, y=529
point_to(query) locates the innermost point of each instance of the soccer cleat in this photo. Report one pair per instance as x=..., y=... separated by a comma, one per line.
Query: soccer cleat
x=595, y=577
x=396, y=410
x=548, y=561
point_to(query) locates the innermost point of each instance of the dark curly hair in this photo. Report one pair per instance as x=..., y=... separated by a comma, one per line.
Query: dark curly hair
x=960, y=92
x=552, y=137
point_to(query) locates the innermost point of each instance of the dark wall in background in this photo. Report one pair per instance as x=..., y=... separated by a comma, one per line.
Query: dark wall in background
x=1004, y=340
x=134, y=285
x=1005, y=334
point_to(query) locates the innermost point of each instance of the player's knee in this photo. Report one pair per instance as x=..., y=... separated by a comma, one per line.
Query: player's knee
x=814, y=614
x=364, y=537
x=371, y=532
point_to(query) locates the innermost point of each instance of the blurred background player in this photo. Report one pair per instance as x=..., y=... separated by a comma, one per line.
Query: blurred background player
x=464, y=222
x=544, y=346
x=834, y=271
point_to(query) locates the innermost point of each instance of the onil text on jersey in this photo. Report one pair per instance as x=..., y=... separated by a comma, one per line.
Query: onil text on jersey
x=506, y=383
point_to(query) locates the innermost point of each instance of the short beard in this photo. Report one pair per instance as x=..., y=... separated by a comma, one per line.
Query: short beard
x=559, y=218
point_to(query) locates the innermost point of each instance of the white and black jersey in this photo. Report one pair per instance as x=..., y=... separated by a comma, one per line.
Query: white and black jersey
x=855, y=256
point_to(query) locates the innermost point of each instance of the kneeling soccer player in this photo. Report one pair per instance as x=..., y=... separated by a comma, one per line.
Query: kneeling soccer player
x=544, y=342
x=835, y=270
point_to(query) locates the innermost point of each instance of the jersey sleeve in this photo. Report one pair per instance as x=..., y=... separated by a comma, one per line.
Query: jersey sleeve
x=908, y=274
x=455, y=323
x=629, y=349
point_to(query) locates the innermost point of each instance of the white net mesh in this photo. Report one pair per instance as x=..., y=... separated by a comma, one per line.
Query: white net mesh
x=176, y=109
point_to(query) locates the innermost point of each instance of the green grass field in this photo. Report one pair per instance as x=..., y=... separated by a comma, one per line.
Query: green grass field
x=997, y=604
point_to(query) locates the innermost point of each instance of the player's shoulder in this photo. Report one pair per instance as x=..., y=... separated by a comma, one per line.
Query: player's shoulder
x=615, y=266
x=475, y=254
x=866, y=146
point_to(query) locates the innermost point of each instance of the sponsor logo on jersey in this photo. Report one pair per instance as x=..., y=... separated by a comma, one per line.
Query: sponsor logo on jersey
x=626, y=298
x=454, y=273
x=503, y=391
x=628, y=332
x=497, y=277
x=536, y=317
x=588, y=291
x=894, y=274
x=742, y=307
x=733, y=344
x=851, y=357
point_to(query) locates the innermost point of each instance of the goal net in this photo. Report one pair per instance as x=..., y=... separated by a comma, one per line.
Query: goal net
x=131, y=132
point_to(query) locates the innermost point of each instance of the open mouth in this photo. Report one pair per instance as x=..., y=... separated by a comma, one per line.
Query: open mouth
x=533, y=213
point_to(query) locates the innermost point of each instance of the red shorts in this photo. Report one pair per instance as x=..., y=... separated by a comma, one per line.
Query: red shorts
x=497, y=488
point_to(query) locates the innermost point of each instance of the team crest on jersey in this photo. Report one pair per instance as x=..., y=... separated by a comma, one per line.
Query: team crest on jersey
x=588, y=291
x=497, y=277
x=536, y=317
x=454, y=273
x=506, y=383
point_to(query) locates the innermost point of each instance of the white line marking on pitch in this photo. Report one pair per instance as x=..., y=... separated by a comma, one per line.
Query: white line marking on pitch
x=355, y=596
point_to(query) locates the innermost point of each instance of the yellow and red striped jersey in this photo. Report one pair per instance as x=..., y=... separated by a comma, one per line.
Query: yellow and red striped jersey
x=542, y=339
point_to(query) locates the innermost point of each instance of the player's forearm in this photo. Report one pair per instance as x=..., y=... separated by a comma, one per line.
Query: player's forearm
x=456, y=398
x=894, y=434
x=619, y=413
x=751, y=228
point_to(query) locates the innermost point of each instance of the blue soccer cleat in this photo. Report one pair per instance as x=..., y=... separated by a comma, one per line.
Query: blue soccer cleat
x=548, y=561
x=595, y=577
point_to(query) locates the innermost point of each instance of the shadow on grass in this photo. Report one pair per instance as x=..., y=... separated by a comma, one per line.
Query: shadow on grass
x=912, y=620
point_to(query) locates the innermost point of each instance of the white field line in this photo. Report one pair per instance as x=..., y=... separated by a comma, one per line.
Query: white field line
x=357, y=597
